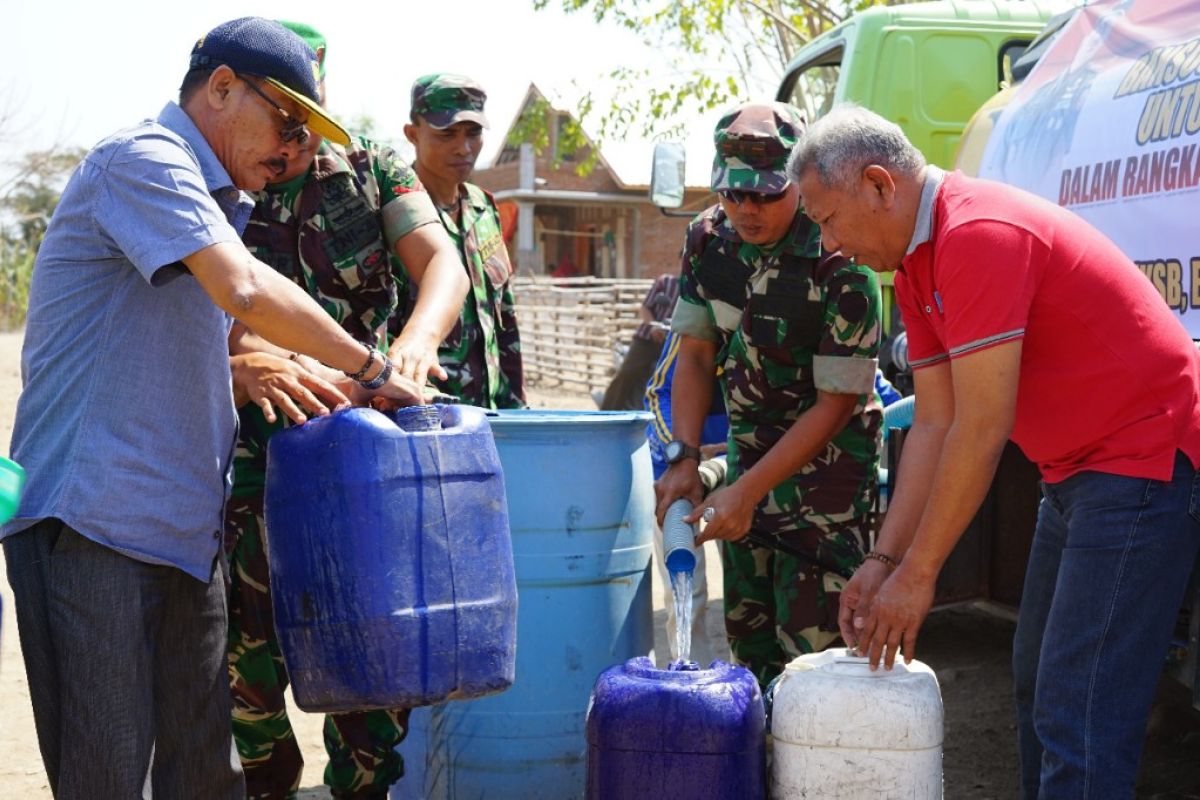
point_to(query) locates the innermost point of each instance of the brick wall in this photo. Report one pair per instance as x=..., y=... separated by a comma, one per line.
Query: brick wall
x=661, y=236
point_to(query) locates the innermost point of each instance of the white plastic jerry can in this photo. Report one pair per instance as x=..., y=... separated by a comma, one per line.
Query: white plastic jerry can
x=842, y=731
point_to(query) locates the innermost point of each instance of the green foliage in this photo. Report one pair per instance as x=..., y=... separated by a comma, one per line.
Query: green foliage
x=725, y=52
x=27, y=201
x=544, y=127
x=16, y=269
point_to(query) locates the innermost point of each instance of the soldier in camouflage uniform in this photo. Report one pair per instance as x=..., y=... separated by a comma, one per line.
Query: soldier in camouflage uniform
x=482, y=355
x=339, y=229
x=794, y=332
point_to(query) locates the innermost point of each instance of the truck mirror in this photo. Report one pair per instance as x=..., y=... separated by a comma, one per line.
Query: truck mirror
x=667, y=175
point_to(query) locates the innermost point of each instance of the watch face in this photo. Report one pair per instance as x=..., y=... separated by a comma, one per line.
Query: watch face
x=674, y=450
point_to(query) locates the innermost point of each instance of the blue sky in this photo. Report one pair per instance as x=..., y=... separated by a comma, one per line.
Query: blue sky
x=81, y=70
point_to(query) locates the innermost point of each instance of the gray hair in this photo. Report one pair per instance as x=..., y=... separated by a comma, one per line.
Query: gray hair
x=844, y=142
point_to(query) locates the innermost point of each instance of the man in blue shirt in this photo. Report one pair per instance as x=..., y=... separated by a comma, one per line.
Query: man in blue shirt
x=126, y=424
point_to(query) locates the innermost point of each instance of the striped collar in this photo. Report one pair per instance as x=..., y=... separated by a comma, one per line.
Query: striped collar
x=923, y=230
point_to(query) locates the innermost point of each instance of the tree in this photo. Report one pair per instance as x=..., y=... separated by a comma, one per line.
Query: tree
x=726, y=52
x=28, y=197
x=30, y=186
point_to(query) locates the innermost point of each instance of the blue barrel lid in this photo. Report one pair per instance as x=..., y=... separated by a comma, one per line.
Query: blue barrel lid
x=636, y=706
x=538, y=416
x=418, y=418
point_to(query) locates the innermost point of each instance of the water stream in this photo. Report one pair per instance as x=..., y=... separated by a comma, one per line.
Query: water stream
x=681, y=585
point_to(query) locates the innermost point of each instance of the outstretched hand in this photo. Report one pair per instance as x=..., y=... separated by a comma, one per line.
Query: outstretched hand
x=682, y=479
x=893, y=618
x=271, y=382
x=401, y=391
x=856, y=597
x=727, y=513
x=415, y=356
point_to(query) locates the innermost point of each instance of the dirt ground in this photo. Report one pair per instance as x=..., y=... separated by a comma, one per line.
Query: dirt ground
x=968, y=647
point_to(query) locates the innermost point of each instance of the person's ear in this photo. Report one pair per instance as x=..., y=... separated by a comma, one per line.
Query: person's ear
x=880, y=187
x=220, y=85
x=410, y=133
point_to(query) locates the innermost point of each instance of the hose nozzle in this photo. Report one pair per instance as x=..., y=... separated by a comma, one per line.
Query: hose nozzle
x=679, y=537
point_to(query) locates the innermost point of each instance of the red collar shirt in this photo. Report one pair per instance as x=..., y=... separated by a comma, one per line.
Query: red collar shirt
x=1109, y=378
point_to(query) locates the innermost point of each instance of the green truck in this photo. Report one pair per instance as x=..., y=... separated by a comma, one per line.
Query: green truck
x=925, y=66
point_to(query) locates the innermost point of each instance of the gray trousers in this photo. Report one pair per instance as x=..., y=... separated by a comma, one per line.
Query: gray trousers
x=126, y=669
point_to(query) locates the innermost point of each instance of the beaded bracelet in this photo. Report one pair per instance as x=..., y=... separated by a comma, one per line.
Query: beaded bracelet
x=382, y=377
x=362, y=373
x=883, y=558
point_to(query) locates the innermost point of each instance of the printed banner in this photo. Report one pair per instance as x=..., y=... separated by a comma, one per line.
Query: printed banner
x=1107, y=124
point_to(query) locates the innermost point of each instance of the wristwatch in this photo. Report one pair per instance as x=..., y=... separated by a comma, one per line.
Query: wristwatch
x=677, y=451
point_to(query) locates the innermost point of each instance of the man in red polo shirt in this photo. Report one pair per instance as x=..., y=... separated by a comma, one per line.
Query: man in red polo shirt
x=1016, y=311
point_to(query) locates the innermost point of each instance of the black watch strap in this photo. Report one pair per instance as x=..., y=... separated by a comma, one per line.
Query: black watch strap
x=682, y=451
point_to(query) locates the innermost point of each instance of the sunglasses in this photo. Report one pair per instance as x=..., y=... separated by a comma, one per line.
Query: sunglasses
x=739, y=196
x=293, y=129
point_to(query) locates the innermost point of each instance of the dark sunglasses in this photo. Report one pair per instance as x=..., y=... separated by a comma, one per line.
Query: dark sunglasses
x=292, y=127
x=739, y=196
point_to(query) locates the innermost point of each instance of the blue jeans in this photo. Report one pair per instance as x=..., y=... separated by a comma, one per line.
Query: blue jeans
x=1110, y=562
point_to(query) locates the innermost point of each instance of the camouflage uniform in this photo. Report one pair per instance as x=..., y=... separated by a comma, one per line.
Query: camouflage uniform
x=332, y=231
x=788, y=320
x=482, y=354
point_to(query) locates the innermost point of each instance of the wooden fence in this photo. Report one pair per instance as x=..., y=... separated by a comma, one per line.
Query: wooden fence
x=571, y=327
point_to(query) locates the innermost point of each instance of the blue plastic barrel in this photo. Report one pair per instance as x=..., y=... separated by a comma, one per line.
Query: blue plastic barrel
x=694, y=733
x=581, y=505
x=391, y=562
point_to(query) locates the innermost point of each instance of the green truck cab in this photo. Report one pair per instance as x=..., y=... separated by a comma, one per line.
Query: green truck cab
x=925, y=66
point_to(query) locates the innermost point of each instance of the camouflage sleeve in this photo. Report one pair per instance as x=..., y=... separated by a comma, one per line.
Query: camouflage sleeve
x=508, y=340
x=404, y=203
x=848, y=353
x=692, y=315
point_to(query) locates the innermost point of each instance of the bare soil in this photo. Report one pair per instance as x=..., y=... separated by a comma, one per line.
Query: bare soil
x=968, y=646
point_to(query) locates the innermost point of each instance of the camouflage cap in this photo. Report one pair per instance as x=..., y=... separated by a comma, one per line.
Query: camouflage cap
x=753, y=144
x=312, y=37
x=442, y=99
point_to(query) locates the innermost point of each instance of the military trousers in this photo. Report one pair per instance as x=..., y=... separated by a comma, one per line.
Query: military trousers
x=361, y=746
x=779, y=606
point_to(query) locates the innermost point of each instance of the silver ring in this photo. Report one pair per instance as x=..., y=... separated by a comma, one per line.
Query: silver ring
x=708, y=514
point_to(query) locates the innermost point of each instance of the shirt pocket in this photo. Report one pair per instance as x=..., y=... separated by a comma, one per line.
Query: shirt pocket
x=497, y=270
x=785, y=331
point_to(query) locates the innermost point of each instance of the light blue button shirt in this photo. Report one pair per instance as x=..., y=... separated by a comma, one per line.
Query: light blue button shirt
x=126, y=424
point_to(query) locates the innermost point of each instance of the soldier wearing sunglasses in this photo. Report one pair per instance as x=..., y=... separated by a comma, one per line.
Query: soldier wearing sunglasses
x=793, y=332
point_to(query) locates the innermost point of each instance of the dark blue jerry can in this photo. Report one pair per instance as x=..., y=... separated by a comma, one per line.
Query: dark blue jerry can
x=391, y=561
x=695, y=733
